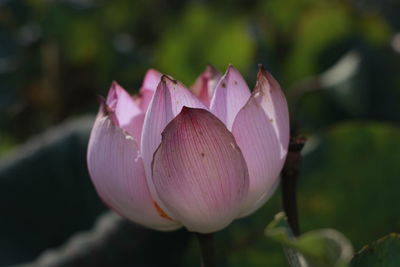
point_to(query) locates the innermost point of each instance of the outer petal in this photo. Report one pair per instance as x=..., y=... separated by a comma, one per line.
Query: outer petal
x=275, y=105
x=199, y=171
x=261, y=130
x=127, y=113
x=117, y=172
x=231, y=94
x=150, y=83
x=167, y=102
x=205, y=84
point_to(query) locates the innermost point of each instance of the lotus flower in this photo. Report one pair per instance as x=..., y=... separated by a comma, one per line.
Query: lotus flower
x=170, y=157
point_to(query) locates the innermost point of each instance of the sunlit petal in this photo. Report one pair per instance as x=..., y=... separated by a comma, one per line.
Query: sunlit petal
x=128, y=114
x=231, y=94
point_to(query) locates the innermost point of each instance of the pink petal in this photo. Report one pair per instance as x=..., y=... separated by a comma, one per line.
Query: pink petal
x=261, y=201
x=151, y=79
x=231, y=94
x=261, y=130
x=117, y=172
x=128, y=115
x=275, y=105
x=199, y=171
x=167, y=102
x=205, y=84
x=149, y=86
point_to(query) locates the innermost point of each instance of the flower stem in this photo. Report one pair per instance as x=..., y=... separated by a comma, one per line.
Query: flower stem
x=206, y=243
x=290, y=173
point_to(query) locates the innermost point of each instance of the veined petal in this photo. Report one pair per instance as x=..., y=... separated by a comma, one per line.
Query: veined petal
x=127, y=113
x=261, y=129
x=117, y=171
x=205, y=84
x=275, y=105
x=167, y=102
x=149, y=86
x=230, y=95
x=199, y=171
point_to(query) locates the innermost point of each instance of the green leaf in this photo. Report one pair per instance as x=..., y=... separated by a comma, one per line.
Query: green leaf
x=383, y=252
x=320, y=248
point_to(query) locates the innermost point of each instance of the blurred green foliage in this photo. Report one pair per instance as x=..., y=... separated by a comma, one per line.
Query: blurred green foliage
x=338, y=62
x=349, y=178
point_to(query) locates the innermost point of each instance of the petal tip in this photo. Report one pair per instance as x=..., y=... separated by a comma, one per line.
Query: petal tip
x=151, y=77
x=115, y=88
x=105, y=109
x=211, y=68
x=264, y=80
x=185, y=110
x=152, y=71
x=263, y=76
x=151, y=81
x=114, y=85
x=262, y=72
x=168, y=79
x=231, y=71
x=211, y=71
x=230, y=68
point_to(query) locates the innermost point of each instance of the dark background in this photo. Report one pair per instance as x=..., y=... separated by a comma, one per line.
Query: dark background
x=338, y=62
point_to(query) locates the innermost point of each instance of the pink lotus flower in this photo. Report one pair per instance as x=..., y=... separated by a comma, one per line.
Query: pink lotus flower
x=169, y=157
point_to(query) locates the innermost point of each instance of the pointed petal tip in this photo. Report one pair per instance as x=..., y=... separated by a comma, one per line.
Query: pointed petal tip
x=262, y=72
x=211, y=67
x=115, y=91
x=231, y=94
x=264, y=80
x=211, y=71
x=186, y=110
x=231, y=71
x=115, y=88
x=114, y=84
x=122, y=109
x=151, y=75
x=151, y=80
x=152, y=71
x=106, y=110
x=265, y=75
x=230, y=68
x=168, y=79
